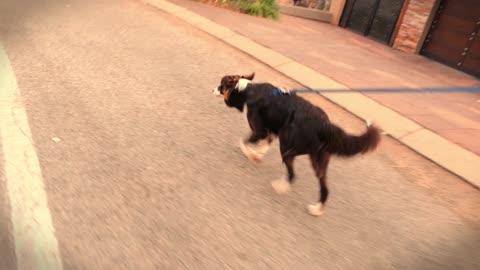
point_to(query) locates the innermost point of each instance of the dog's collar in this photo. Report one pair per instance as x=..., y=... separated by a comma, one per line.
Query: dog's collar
x=282, y=92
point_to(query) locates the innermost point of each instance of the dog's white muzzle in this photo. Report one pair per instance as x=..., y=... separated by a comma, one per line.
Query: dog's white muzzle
x=216, y=92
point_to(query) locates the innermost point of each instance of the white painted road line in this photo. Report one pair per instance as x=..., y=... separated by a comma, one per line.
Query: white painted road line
x=36, y=247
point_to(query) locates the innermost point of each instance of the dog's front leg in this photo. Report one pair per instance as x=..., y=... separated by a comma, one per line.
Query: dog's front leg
x=255, y=147
x=258, y=143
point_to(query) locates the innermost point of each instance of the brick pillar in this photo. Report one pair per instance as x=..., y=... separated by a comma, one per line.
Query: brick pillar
x=336, y=8
x=413, y=25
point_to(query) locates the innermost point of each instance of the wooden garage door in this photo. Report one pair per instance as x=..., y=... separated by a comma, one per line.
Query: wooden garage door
x=373, y=18
x=453, y=38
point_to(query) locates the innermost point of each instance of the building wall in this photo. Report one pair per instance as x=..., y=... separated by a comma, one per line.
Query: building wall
x=414, y=23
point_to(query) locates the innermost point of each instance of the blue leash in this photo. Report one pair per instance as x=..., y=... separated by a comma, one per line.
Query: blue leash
x=278, y=92
x=473, y=89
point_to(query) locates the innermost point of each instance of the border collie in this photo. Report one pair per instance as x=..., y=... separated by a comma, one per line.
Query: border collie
x=301, y=127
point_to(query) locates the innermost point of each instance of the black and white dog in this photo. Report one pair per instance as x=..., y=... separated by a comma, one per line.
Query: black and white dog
x=301, y=127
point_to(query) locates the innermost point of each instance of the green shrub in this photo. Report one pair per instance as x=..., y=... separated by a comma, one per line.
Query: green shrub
x=261, y=8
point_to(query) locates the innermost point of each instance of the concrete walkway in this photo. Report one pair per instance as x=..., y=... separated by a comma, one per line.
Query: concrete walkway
x=440, y=126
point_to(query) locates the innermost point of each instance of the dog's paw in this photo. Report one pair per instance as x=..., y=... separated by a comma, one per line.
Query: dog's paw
x=315, y=209
x=261, y=148
x=281, y=186
x=250, y=153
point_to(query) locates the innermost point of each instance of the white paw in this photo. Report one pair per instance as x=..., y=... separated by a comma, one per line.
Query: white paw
x=250, y=153
x=260, y=148
x=315, y=209
x=281, y=186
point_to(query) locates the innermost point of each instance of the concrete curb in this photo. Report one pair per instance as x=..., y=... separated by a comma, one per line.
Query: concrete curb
x=450, y=156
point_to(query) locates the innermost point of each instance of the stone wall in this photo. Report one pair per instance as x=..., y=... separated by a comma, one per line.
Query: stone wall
x=315, y=4
x=413, y=24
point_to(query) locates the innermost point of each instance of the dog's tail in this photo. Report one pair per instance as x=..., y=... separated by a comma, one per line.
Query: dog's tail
x=340, y=143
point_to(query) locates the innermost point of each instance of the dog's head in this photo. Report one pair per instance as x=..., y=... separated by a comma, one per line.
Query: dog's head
x=231, y=83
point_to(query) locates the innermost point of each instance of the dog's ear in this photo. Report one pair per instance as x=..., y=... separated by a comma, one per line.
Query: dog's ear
x=226, y=94
x=249, y=77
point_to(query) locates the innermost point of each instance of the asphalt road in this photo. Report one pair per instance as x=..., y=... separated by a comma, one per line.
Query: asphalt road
x=148, y=174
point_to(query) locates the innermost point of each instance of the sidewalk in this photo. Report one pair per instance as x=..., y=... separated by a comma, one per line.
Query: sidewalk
x=324, y=56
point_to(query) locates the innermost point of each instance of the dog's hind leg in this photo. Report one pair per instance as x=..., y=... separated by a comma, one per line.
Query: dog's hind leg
x=320, y=164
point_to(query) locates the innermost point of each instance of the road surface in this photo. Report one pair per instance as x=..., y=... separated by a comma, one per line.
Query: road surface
x=139, y=167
